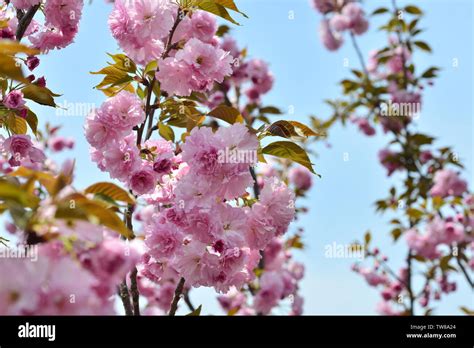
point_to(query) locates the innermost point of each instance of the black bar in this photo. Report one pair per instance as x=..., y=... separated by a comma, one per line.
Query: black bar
x=218, y=330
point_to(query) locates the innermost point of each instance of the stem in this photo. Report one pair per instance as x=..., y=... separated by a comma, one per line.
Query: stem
x=150, y=127
x=359, y=54
x=256, y=188
x=464, y=271
x=401, y=42
x=177, y=296
x=125, y=297
x=409, y=288
x=149, y=111
x=134, y=291
x=24, y=21
x=188, y=302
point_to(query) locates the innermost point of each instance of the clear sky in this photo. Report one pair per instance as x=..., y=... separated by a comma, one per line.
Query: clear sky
x=341, y=202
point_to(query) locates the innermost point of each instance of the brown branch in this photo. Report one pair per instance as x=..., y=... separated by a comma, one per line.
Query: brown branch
x=401, y=42
x=177, y=296
x=409, y=287
x=24, y=21
x=464, y=271
x=149, y=110
x=134, y=291
x=188, y=302
x=359, y=54
x=125, y=297
x=256, y=188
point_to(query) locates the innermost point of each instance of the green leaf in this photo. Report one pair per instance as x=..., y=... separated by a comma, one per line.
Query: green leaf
x=196, y=312
x=367, y=238
x=396, y=233
x=32, y=121
x=421, y=139
x=78, y=207
x=283, y=129
x=414, y=213
x=270, y=110
x=303, y=129
x=227, y=113
x=16, y=124
x=151, y=67
x=10, y=69
x=413, y=10
x=430, y=73
x=123, y=62
x=222, y=30
x=111, y=190
x=213, y=7
x=12, y=47
x=444, y=262
x=166, y=132
x=290, y=129
x=230, y=4
x=41, y=95
x=422, y=45
x=289, y=150
x=12, y=192
x=380, y=10
x=467, y=310
x=115, y=80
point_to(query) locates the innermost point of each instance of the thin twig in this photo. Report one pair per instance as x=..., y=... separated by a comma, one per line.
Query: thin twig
x=177, y=296
x=149, y=111
x=134, y=291
x=125, y=297
x=464, y=271
x=409, y=288
x=188, y=302
x=25, y=21
x=359, y=54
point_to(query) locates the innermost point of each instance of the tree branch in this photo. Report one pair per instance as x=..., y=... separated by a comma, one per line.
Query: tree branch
x=134, y=291
x=188, y=302
x=359, y=54
x=125, y=297
x=24, y=21
x=464, y=271
x=177, y=296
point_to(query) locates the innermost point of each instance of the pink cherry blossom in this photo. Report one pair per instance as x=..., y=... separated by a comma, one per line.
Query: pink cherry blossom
x=194, y=68
x=301, y=177
x=271, y=290
x=14, y=100
x=121, y=158
x=163, y=240
x=331, y=39
x=140, y=27
x=121, y=112
x=448, y=183
x=25, y=4
x=143, y=180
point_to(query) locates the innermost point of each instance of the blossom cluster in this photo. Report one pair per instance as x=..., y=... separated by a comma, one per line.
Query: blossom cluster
x=109, y=130
x=55, y=283
x=345, y=15
x=195, y=228
x=151, y=30
x=430, y=186
x=279, y=281
x=61, y=22
x=252, y=77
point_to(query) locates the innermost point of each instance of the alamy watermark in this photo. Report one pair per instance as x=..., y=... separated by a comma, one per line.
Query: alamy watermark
x=236, y=156
x=74, y=109
x=344, y=251
x=412, y=110
x=20, y=252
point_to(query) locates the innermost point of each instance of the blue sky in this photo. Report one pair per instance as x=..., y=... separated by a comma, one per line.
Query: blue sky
x=341, y=202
